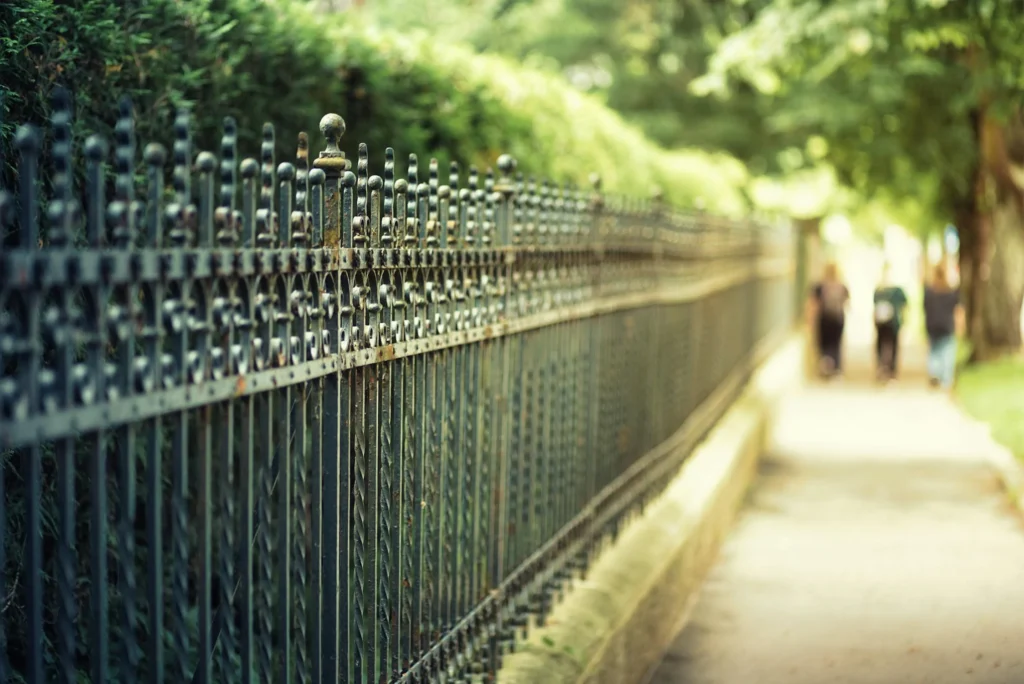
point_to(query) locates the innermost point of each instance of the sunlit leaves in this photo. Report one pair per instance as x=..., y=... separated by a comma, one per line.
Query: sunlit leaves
x=669, y=62
x=859, y=41
x=817, y=147
x=888, y=84
x=955, y=34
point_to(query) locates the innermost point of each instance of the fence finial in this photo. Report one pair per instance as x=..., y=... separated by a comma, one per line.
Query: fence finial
x=332, y=127
x=506, y=164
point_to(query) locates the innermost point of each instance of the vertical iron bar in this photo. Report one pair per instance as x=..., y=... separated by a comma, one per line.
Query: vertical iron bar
x=287, y=355
x=27, y=142
x=176, y=315
x=58, y=329
x=206, y=164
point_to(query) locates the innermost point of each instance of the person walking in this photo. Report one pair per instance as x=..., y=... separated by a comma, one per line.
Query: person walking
x=944, y=320
x=829, y=300
x=890, y=301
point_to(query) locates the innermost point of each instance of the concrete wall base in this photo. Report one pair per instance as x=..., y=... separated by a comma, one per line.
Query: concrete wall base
x=614, y=626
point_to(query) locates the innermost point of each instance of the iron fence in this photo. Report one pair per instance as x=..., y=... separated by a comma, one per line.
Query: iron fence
x=295, y=422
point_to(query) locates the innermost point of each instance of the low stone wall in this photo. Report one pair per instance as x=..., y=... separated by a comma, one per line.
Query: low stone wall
x=615, y=625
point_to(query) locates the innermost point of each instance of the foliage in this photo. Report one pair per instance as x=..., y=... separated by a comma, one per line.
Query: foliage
x=283, y=63
x=991, y=393
x=918, y=99
x=804, y=194
x=890, y=86
x=548, y=126
x=640, y=57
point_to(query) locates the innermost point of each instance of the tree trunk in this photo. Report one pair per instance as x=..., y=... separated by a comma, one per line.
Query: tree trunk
x=1000, y=284
x=992, y=253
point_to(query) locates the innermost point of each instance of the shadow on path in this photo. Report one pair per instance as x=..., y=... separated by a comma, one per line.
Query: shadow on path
x=876, y=548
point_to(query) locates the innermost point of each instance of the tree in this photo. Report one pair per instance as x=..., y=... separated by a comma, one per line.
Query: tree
x=639, y=56
x=914, y=98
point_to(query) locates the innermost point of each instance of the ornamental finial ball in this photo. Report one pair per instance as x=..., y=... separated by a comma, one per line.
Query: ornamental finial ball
x=506, y=164
x=332, y=127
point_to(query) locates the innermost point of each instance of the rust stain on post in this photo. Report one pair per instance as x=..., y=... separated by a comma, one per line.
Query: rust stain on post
x=332, y=236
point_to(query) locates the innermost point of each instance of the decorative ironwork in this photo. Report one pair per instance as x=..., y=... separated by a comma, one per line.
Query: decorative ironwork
x=312, y=424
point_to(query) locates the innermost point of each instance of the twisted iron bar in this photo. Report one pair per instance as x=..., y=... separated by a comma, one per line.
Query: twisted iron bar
x=451, y=496
x=386, y=551
x=432, y=569
x=300, y=561
x=360, y=523
x=410, y=505
x=469, y=501
x=265, y=541
x=227, y=670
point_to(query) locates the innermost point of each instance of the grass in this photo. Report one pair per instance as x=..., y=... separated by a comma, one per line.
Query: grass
x=994, y=393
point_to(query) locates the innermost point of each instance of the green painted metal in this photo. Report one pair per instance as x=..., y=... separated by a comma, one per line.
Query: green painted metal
x=294, y=422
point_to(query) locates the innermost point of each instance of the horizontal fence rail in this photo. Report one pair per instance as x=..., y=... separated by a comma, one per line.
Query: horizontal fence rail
x=298, y=423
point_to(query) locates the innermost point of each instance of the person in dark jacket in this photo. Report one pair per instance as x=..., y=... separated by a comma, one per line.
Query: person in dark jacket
x=944, y=320
x=890, y=302
x=829, y=299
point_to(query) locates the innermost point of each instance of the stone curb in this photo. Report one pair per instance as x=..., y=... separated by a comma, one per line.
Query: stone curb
x=614, y=626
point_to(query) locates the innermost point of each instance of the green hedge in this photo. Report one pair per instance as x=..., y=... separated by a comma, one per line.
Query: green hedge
x=282, y=62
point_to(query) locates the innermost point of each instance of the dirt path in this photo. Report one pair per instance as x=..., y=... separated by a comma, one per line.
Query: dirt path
x=876, y=548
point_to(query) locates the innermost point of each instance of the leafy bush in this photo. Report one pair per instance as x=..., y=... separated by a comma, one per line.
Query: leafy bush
x=282, y=62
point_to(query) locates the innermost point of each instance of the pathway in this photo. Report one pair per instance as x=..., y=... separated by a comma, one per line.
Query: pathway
x=876, y=548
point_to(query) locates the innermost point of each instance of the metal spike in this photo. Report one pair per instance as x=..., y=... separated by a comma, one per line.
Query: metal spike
x=27, y=143
x=226, y=229
x=301, y=219
x=411, y=207
x=60, y=210
x=387, y=237
x=286, y=194
x=124, y=152
x=206, y=164
x=317, y=180
x=250, y=169
x=402, y=235
x=302, y=173
x=267, y=168
x=178, y=212
x=228, y=162
x=361, y=218
x=155, y=156
x=95, y=153
x=374, y=185
x=434, y=232
x=182, y=157
x=348, y=189
x=265, y=217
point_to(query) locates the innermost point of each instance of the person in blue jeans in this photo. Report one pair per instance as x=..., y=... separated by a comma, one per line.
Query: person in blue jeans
x=944, y=320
